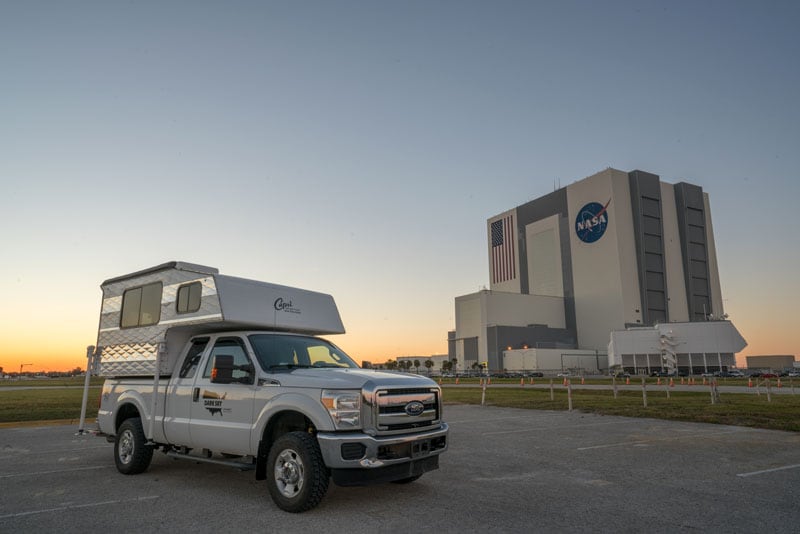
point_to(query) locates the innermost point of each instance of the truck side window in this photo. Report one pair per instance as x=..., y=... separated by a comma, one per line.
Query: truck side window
x=232, y=346
x=193, y=357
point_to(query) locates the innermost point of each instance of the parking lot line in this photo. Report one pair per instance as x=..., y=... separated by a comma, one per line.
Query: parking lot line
x=540, y=428
x=79, y=506
x=654, y=440
x=765, y=471
x=38, y=473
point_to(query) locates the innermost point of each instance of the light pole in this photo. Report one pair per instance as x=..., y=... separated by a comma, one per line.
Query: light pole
x=20, y=369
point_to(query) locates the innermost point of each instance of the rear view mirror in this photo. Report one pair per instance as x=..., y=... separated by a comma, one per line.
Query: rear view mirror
x=222, y=372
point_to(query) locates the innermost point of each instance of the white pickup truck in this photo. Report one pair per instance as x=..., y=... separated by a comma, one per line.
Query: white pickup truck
x=231, y=371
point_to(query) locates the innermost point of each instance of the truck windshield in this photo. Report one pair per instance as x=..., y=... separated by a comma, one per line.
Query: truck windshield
x=281, y=351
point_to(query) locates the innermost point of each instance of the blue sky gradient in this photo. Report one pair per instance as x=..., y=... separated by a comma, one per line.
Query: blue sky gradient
x=358, y=148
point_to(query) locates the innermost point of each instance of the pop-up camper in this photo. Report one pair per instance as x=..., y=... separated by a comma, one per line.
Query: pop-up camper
x=158, y=309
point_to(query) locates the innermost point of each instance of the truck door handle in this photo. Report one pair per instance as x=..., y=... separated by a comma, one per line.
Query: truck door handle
x=195, y=394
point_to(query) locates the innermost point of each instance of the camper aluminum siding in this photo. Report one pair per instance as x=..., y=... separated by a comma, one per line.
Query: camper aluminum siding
x=129, y=342
x=127, y=351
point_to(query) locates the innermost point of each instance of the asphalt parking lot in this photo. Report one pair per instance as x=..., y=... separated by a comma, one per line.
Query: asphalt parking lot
x=507, y=470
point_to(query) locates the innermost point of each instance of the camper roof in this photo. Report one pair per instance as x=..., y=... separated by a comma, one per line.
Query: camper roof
x=180, y=265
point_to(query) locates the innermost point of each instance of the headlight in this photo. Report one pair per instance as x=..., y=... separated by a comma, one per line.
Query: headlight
x=344, y=406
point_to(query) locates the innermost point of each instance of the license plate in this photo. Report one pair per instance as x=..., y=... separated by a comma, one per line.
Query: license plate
x=421, y=448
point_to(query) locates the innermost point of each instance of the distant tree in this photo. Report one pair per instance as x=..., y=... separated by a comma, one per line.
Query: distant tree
x=475, y=366
x=454, y=363
x=391, y=364
x=416, y=365
x=429, y=365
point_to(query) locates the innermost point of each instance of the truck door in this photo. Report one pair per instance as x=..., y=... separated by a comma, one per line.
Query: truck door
x=178, y=409
x=222, y=414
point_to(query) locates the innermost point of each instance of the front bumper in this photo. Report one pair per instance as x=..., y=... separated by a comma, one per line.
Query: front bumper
x=362, y=451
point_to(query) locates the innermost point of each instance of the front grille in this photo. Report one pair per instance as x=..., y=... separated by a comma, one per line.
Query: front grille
x=392, y=408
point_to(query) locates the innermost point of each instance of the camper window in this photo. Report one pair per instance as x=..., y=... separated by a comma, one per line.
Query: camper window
x=141, y=306
x=189, y=297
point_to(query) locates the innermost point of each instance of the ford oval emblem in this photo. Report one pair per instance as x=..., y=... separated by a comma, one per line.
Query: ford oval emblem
x=415, y=408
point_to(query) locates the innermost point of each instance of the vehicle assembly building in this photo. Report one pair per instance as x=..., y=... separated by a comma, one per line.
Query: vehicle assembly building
x=614, y=252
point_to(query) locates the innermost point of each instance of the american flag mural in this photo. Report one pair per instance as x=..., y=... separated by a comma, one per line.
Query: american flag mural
x=504, y=265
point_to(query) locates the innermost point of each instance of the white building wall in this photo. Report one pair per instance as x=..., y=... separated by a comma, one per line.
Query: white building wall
x=677, y=306
x=713, y=269
x=605, y=274
x=543, y=243
x=516, y=309
x=553, y=360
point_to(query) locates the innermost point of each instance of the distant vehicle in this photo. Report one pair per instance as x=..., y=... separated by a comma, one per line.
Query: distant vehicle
x=535, y=374
x=563, y=374
x=793, y=374
x=621, y=375
x=769, y=375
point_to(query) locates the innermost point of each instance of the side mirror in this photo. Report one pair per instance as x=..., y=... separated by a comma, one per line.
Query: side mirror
x=222, y=372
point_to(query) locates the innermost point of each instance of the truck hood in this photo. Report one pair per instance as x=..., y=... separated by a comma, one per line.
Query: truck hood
x=329, y=378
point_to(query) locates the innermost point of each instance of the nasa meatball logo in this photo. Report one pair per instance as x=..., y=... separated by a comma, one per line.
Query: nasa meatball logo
x=592, y=220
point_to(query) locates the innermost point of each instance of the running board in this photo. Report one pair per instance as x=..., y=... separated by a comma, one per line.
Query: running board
x=227, y=463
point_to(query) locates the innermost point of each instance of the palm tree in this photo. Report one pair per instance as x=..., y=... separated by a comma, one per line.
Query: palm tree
x=416, y=365
x=429, y=365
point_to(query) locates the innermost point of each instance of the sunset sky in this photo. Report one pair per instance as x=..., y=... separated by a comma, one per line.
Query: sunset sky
x=358, y=148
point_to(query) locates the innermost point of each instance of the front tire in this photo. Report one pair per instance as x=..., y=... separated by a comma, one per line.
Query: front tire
x=131, y=452
x=296, y=474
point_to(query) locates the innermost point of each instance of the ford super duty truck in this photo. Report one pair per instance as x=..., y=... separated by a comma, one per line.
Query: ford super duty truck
x=232, y=371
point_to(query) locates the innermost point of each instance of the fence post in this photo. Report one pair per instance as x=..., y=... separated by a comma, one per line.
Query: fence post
x=769, y=391
x=644, y=392
x=614, y=385
x=552, y=394
x=569, y=394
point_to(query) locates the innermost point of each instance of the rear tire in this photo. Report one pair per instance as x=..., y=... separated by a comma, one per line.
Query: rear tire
x=131, y=452
x=296, y=474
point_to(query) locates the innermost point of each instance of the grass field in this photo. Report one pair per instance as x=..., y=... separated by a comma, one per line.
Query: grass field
x=783, y=413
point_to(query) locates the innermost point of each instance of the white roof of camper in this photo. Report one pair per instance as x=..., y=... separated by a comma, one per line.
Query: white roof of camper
x=179, y=265
x=264, y=305
x=249, y=304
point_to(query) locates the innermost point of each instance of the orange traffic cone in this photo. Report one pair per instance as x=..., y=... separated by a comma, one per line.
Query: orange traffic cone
x=531, y=381
x=440, y=380
x=658, y=382
x=671, y=383
x=750, y=382
x=521, y=381
x=583, y=380
x=682, y=381
x=628, y=381
x=704, y=381
x=779, y=383
x=456, y=380
x=565, y=380
x=489, y=381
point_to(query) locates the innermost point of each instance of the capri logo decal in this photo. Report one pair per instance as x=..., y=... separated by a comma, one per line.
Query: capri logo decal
x=283, y=305
x=591, y=222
